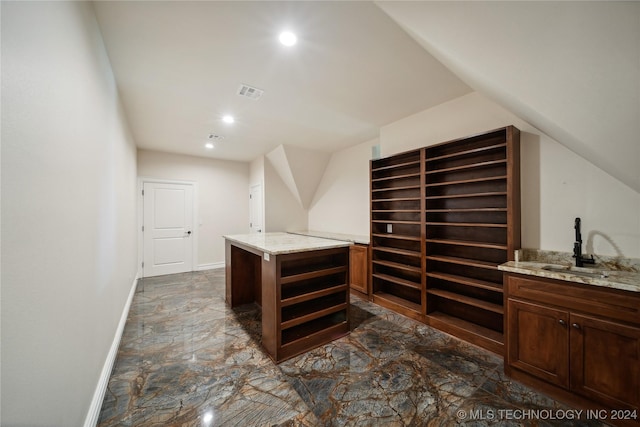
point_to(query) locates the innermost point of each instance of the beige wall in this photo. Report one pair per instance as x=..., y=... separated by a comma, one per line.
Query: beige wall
x=222, y=196
x=256, y=171
x=282, y=210
x=341, y=203
x=557, y=185
x=68, y=212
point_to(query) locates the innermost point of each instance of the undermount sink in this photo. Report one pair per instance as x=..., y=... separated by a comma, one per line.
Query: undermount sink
x=578, y=271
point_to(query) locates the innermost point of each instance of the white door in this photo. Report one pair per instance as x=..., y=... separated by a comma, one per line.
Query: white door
x=167, y=228
x=255, y=208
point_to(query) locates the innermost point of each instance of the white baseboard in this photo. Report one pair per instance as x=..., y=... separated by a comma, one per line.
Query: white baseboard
x=98, y=396
x=211, y=266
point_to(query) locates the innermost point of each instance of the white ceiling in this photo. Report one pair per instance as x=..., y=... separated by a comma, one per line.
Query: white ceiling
x=571, y=69
x=178, y=66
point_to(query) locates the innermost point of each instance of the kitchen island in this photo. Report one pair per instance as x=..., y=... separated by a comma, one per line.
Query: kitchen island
x=300, y=282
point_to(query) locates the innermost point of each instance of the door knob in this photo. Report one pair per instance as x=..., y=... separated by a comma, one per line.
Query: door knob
x=575, y=326
x=188, y=233
x=562, y=322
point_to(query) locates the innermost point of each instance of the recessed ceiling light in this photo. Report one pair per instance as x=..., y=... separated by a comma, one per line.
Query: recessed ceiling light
x=228, y=119
x=208, y=146
x=287, y=38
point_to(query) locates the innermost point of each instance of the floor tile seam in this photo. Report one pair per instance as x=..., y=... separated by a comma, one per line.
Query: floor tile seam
x=487, y=378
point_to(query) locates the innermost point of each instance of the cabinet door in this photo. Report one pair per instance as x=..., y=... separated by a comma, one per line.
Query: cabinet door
x=358, y=263
x=538, y=341
x=605, y=361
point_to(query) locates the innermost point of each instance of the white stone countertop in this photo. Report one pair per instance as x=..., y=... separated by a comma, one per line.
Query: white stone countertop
x=285, y=243
x=615, y=279
x=354, y=238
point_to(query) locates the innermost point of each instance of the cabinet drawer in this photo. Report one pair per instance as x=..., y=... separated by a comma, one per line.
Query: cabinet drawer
x=611, y=303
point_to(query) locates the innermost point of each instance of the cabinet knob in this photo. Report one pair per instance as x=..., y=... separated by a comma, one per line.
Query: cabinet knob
x=562, y=322
x=575, y=326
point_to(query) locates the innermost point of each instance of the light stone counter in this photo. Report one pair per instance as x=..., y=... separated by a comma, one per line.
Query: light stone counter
x=623, y=280
x=604, y=262
x=285, y=243
x=354, y=238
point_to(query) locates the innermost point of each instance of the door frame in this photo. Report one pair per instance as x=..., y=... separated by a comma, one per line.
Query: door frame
x=196, y=224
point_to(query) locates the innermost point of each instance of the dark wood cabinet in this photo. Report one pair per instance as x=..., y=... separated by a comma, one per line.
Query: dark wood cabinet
x=605, y=361
x=581, y=339
x=304, y=295
x=442, y=219
x=358, y=268
x=312, y=298
x=541, y=345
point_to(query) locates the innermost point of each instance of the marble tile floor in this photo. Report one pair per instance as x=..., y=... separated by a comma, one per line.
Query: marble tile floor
x=186, y=359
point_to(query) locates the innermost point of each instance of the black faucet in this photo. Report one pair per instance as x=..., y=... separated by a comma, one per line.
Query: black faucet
x=577, y=248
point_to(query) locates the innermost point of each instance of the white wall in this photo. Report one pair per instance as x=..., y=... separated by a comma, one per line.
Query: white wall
x=256, y=171
x=341, y=202
x=68, y=211
x=256, y=177
x=303, y=168
x=222, y=198
x=557, y=185
x=282, y=210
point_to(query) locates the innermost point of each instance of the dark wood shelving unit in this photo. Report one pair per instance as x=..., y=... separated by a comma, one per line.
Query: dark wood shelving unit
x=314, y=299
x=304, y=295
x=472, y=225
x=442, y=219
x=397, y=279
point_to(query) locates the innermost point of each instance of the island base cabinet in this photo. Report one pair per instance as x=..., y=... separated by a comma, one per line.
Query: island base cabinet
x=304, y=296
x=305, y=301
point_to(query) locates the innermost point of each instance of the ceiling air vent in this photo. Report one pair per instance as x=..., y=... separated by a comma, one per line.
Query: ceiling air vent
x=250, y=91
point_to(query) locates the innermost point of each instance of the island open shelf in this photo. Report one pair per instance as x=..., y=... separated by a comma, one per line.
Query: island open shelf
x=301, y=284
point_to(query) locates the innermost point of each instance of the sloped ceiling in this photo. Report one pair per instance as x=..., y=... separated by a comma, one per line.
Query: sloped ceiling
x=278, y=159
x=300, y=169
x=178, y=65
x=571, y=69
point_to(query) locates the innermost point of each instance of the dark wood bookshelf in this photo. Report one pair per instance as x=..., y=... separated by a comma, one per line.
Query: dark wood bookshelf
x=397, y=251
x=397, y=265
x=442, y=219
x=482, y=284
x=467, y=181
x=397, y=270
